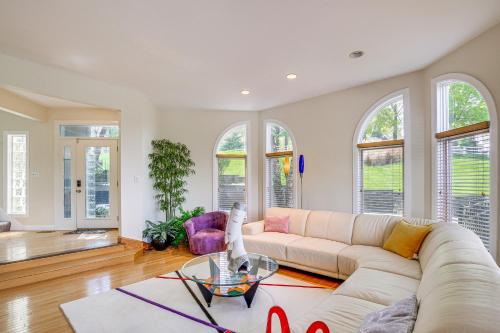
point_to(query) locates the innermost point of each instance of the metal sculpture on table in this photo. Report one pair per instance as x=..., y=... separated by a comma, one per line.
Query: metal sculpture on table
x=238, y=261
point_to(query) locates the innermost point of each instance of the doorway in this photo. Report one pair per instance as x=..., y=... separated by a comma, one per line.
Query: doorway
x=87, y=180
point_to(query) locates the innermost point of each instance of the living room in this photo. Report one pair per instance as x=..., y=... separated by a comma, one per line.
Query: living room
x=335, y=124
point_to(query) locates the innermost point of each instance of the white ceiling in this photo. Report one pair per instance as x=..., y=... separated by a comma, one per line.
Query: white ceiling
x=201, y=54
x=47, y=101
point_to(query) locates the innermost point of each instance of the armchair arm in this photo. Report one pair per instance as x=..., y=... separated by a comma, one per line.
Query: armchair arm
x=253, y=228
x=190, y=227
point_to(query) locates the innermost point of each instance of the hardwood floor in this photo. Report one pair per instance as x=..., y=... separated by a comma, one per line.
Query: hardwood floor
x=22, y=245
x=35, y=307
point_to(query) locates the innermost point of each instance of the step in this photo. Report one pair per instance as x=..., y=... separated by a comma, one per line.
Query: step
x=79, y=262
x=62, y=257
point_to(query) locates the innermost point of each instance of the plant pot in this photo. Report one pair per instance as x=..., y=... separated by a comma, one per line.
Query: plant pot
x=160, y=245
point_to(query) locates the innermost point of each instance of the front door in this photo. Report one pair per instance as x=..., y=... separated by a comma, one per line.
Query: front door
x=96, y=184
x=89, y=175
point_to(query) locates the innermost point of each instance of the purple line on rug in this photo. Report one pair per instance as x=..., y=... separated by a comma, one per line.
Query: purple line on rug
x=177, y=312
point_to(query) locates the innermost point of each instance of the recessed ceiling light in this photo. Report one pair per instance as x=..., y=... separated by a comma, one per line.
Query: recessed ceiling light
x=356, y=54
x=245, y=92
x=291, y=76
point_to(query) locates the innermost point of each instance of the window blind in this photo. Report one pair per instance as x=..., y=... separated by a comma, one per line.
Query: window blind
x=463, y=182
x=231, y=182
x=279, y=185
x=381, y=180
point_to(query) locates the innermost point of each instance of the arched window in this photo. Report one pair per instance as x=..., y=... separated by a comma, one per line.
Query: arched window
x=230, y=169
x=463, y=163
x=379, y=158
x=279, y=166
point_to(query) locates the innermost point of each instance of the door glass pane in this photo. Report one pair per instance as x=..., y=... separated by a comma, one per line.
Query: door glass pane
x=89, y=131
x=97, y=163
x=67, y=182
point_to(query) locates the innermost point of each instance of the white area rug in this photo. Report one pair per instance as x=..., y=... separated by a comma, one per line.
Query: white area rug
x=114, y=311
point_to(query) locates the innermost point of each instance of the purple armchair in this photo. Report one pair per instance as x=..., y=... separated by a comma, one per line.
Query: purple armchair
x=206, y=232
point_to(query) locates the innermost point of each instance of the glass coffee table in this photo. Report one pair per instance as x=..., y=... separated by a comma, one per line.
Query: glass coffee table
x=213, y=278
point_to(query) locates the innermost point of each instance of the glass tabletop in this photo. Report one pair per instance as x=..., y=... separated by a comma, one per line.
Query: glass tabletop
x=211, y=269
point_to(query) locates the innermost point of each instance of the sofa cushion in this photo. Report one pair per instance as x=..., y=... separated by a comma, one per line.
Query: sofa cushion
x=460, y=251
x=377, y=286
x=373, y=229
x=330, y=225
x=272, y=244
x=355, y=256
x=298, y=218
x=441, y=234
x=460, y=306
x=342, y=314
x=252, y=228
x=456, y=273
x=276, y=224
x=315, y=252
x=406, y=239
x=210, y=234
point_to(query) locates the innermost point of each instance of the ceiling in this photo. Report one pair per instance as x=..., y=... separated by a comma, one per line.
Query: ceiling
x=201, y=54
x=49, y=102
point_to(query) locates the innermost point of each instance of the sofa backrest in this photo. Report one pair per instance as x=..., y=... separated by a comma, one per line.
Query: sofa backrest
x=334, y=226
x=460, y=285
x=298, y=218
x=373, y=229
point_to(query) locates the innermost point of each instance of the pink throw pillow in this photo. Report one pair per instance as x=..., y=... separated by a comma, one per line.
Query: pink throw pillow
x=277, y=224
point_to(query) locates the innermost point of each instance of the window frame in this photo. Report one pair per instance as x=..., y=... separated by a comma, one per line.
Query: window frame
x=436, y=125
x=6, y=173
x=265, y=123
x=215, y=166
x=358, y=137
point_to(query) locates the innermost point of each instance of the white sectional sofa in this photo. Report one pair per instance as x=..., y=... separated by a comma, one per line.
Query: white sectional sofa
x=456, y=281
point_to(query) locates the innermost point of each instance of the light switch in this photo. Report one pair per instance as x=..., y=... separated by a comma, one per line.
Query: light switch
x=35, y=174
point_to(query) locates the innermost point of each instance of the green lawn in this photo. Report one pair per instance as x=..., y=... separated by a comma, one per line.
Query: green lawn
x=383, y=177
x=375, y=177
x=235, y=167
x=232, y=166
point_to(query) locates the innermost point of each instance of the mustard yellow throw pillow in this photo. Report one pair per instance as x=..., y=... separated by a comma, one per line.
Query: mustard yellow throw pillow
x=406, y=239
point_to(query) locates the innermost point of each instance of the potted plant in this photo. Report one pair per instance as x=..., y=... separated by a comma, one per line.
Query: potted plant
x=169, y=165
x=161, y=234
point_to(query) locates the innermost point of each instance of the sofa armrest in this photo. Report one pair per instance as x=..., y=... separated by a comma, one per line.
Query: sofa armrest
x=253, y=228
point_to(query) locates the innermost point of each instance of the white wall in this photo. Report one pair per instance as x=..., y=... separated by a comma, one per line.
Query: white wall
x=324, y=128
x=137, y=126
